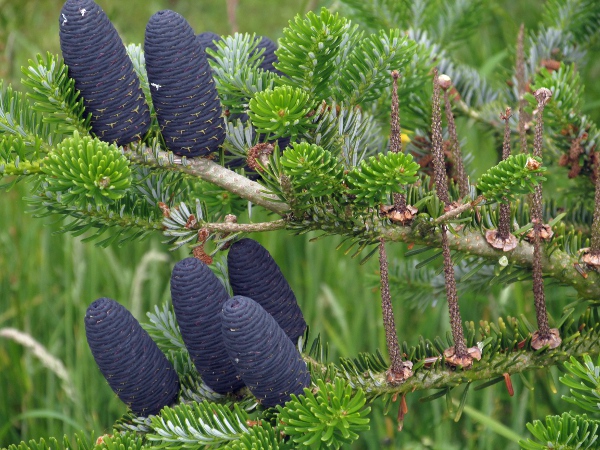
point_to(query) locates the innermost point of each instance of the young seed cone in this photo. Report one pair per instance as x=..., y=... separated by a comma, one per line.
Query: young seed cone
x=254, y=273
x=268, y=362
x=198, y=297
x=183, y=91
x=135, y=368
x=103, y=73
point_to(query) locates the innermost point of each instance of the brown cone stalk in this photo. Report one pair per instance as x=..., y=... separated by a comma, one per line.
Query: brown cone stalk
x=591, y=256
x=522, y=88
x=439, y=166
x=459, y=354
x=544, y=336
x=502, y=238
x=463, y=182
x=399, y=370
x=400, y=212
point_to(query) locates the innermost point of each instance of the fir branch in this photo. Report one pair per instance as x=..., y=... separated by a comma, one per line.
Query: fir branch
x=18, y=118
x=208, y=171
x=308, y=49
x=559, y=264
x=54, y=95
x=502, y=353
x=196, y=424
x=583, y=379
x=565, y=432
x=369, y=65
x=236, y=73
x=350, y=132
x=227, y=227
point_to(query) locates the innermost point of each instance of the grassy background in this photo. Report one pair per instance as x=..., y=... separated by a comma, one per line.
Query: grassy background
x=48, y=280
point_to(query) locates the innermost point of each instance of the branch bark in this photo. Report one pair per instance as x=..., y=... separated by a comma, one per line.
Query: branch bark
x=212, y=172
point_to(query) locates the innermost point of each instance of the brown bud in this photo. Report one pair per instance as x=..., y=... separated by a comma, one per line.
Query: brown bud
x=543, y=95
x=445, y=82
x=532, y=164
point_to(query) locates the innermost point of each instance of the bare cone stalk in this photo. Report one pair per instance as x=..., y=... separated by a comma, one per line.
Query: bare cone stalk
x=439, y=167
x=595, y=242
x=396, y=138
x=399, y=370
x=460, y=347
x=592, y=256
x=521, y=88
x=544, y=335
x=463, y=182
x=457, y=355
x=502, y=238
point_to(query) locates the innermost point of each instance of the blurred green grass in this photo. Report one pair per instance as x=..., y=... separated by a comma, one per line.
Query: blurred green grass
x=47, y=280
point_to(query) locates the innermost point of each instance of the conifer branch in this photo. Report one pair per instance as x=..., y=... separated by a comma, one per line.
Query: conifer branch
x=210, y=171
x=496, y=360
x=228, y=227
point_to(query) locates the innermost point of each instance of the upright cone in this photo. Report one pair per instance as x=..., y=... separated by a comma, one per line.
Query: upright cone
x=268, y=362
x=183, y=90
x=135, y=368
x=103, y=73
x=198, y=297
x=254, y=273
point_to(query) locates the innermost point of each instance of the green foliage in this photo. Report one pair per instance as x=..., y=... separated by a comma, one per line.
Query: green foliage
x=18, y=158
x=83, y=443
x=262, y=436
x=312, y=169
x=236, y=71
x=379, y=176
x=195, y=424
x=17, y=117
x=121, y=441
x=308, y=49
x=54, y=95
x=52, y=444
x=365, y=72
x=516, y=175
x=580, y=18
x=136, y=54
x=85, y=169
x=330, y=418
x=584, y=381
x=282, y=111
x=566, y=102
x=163, y=329
x=564, y=432
x=570, y=431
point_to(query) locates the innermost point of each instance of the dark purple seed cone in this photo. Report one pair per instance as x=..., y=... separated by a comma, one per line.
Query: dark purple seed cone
x=103, y=73
x=198, y=297
x=208, y=39
x=254, y=273
x=183, y=91
x=268, y=362
x=129, y=359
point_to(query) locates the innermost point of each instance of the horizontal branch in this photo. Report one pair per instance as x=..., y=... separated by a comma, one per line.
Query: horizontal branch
x=489, y=368
x=210, y=171
x=228, y=227
x=559, y=265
